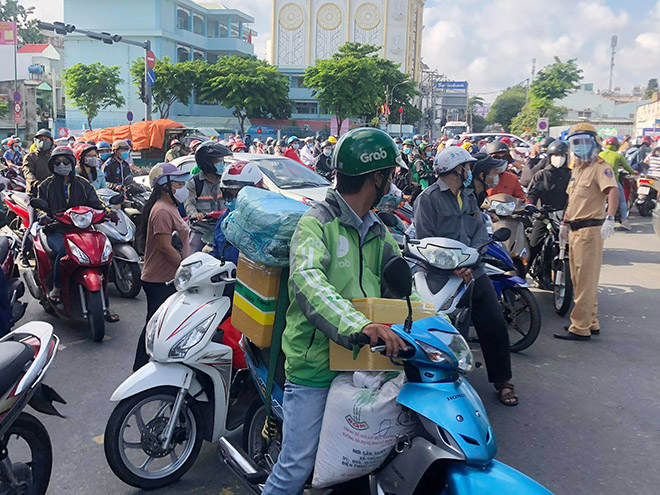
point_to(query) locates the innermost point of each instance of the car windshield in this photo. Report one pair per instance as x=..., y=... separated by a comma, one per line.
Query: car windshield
x=454, y=131
x=289, y=174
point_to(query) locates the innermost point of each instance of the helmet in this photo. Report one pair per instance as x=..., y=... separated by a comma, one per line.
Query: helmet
x=80, y=150
x=496, y=147
x=417, y=137
x=423, y=145
x=309, y=139
x=175, y=141
x=398, y=140
x=194, y=143
x=452, y=142
x=5, y=141
x=450, y=158
x=545, y=142
x=332, y=139
x=162, y=173
x=44, y=133
x=364, y=150
x=467, y=145
x=120, y=144
x=269, y=140
x=326, y=144
x=207, y=153
x=484, y=162
x=614, y=142
x=280, y=143
x=61, y=151
x=506, y=140
x=102, y=145
x=558, y=148
x=292, y=139
x=584, y=128
x=241, y=174
x=130, y=143
x=408, y=141
x=647, y=140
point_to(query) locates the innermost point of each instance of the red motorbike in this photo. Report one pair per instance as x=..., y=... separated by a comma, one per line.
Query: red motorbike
x=83, y=269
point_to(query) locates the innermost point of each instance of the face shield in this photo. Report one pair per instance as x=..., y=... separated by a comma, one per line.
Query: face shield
x=583, y=146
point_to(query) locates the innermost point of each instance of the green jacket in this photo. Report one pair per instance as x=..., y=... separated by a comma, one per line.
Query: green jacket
x=616, y=160
x=328, y=269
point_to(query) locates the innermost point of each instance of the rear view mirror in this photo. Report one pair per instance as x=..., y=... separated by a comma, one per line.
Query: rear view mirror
x=389, y=219
x=398, y=277
x=502, y=234
x=176, y=241
x=117, y=199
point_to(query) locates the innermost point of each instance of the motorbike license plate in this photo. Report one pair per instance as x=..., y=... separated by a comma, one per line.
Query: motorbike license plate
x=644, y=190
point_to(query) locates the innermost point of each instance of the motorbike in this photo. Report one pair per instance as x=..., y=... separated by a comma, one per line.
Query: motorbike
x=453, y=448
x=514, y=215
x=629, y=184
x=11, y=287
x=12, y=178
x=26, y=453
x=83, y=270
x=187, y=392
x=207, y=223
x=136, y=197
x=647, y=194
x=125, y=272
x=18, y=216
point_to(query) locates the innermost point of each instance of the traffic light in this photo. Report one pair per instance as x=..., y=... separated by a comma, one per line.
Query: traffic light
x=400, y=110
x=61, y=28
x=259, y=130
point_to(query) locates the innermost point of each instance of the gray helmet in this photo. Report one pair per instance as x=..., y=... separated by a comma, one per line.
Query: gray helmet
x=45, y=133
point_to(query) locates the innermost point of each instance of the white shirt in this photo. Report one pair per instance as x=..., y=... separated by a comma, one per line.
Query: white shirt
x=306, y=155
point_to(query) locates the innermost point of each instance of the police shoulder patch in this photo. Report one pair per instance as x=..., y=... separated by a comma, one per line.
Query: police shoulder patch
x=609, y=173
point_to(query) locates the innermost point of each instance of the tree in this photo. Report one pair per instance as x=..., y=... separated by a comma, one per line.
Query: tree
x=651, y=88
x=526, y=122
x=174, y=82
x=252, y=87
x=554, y=82
x=4, y=107
x=506, y=106
x=92, y=88
x=28, y=32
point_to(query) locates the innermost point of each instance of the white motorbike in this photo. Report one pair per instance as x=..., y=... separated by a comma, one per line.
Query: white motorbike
x=187, y=392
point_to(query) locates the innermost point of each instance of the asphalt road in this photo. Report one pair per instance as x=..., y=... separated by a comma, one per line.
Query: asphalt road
x=587, y=422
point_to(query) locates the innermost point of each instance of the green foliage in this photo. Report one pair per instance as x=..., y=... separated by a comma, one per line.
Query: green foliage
x=28, y=32
x=92, y=88
x=252, y=87
x=4, y=107
x=525, y=123
x=554, y=82
x=651, y=88
x=506, y=106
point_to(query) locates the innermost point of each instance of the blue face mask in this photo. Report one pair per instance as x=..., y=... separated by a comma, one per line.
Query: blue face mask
x=17, y=148
x=583, y=151
x=428, y=153
x=407, y=151
x=468, y=181
x=417, y=143
x=230, y=205
x=219, y=167
x=398, y=145
x=125, y=155
x=105, y=156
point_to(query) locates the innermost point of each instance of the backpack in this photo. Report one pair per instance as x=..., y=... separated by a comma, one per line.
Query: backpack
x=632, y=155
x=199, y=185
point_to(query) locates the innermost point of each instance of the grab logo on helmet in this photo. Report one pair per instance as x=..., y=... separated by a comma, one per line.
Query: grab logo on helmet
x=380, y=154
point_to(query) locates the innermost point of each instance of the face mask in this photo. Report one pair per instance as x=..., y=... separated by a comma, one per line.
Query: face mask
x=417, y=143
x=219, y=167
x=310, y=145
x=5, y=147
x=557, y=161
x=380, y=191
x=44, y=145
x=181, y=194
x=92, y=161
x=125, y=155
x=494, y=181
x=17, y=148
x=62, y=169
x=428, y=154
x=105, y=156
x=231, y=205
x=468, y=180
x=583, y=147
x=407, y=151
x=327, y=152
x=71, y=143
x=296, y=146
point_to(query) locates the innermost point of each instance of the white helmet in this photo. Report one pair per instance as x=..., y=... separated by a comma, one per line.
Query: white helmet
x=451, y=142
x=241, y=174
x=450, y=158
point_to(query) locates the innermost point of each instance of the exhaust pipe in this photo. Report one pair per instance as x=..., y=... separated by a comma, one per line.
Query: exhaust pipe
x=32, y=284
x=236, y=459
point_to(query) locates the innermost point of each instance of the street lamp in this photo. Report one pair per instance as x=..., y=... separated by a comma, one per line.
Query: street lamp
x=27, y=12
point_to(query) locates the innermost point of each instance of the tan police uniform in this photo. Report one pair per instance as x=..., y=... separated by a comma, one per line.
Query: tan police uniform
x=585, y=214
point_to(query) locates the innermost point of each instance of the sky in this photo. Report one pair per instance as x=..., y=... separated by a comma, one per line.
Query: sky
x=491, y=43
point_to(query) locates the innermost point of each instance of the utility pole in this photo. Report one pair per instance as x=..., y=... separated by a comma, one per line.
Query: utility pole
x=15, y=66
x=615, y=39
x=529, y=80
x=147, y=86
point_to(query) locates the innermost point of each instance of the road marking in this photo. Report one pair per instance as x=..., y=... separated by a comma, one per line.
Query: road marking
x=98, y=439
x=76, y=342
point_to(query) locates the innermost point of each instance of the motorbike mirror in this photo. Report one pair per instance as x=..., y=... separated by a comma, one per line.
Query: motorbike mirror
x=176, y=241
x=389, y=219
x=39, y=204
x=502, y=234
x=398, y=277
x=117, y=199
x=3, y=186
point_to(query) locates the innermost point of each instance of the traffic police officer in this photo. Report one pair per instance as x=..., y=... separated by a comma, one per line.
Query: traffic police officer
x=592, y=182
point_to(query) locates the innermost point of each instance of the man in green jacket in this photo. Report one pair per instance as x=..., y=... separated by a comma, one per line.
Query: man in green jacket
x=338, y=252
x=616, y=160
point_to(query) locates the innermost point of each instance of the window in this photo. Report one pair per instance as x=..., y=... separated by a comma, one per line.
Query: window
x=304, y=107
x=297, y=82
x=182, y=20
x=222, y=29
x=198, y=55
x=198, y=25
x=234, y=30
x=584, y=114
x=182, y=54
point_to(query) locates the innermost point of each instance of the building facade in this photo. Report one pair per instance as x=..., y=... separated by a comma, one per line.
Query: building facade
x=179, y=29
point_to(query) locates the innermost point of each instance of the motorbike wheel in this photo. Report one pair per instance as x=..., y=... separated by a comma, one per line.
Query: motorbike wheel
x=562, y=289
x=131, y=440
x=30, y=430
x=95, y=315
x=127, y=278
x=253, y=440
x=645, y=209
x=522, y=315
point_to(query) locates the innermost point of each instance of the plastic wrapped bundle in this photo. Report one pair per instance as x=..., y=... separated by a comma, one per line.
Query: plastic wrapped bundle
x=262, y=225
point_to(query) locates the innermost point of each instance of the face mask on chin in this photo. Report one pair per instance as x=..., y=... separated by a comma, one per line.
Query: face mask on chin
x=557, y=161
x=380, y=190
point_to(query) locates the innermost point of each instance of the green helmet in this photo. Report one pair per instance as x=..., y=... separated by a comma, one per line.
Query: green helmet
x=423, y=145
x=364, y=150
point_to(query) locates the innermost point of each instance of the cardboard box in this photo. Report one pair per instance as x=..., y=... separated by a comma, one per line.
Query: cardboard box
x=378, y=310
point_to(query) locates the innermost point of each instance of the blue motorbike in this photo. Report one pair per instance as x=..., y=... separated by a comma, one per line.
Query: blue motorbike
x=453, y=448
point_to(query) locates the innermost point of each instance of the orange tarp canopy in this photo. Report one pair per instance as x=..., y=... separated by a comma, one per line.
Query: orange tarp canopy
x=144, y=135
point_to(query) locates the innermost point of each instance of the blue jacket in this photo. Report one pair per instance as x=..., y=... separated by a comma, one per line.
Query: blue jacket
x=220, y=240
x=14, y=157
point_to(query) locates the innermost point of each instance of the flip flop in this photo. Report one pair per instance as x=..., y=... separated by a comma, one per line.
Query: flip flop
x=509, y=398
x=111, y=317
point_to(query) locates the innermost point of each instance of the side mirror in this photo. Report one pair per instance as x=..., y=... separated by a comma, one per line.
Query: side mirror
x=176, y=241
x=39, y=204
x=398, y=277
x=502, y=234
x=389, y=219
x=117, y=199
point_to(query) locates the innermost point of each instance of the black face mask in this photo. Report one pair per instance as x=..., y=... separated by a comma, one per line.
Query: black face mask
x=380, y=190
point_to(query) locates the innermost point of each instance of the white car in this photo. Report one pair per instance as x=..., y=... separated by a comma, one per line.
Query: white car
x=281, y=174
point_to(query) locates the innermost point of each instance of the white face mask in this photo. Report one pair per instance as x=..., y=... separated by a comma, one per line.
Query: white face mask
x=62, y=169
x=557, y=161
x=494, y=181
x=181, y=194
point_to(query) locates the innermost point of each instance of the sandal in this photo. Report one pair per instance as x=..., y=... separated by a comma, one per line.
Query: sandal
x=508, y=398
x=111, y=317
x=55, y=296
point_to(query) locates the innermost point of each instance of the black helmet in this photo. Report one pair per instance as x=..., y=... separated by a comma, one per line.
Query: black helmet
x=398, y=140
x=61, y=151
x=545, y=142
x=484, y=163
x=496, y=147
x=45, y=133
x=558, y=148
x=207, y=153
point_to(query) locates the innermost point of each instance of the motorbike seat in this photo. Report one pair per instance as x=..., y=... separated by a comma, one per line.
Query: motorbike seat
x=4, y=247
x=21, y=199
x=13, y=358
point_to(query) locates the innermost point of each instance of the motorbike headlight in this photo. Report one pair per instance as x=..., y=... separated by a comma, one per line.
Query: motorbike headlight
x=463, y=354
x=184, y=273
x=150, y=334
x=436, y=355
x=78, y=253
x=107, y=251
x=82, y=220
x=503, y=209
x=180, y=349
x=443, y=258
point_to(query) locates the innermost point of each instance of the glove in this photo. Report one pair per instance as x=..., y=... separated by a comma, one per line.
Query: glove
x=563, y=234
x=113, y=217
x=530, y=209
x=607, y=229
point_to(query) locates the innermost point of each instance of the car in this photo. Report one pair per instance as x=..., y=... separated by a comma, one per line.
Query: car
x=281, y=174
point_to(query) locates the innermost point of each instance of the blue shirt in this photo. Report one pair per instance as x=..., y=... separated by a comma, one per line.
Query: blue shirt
x=14, y=157
x=220, y=241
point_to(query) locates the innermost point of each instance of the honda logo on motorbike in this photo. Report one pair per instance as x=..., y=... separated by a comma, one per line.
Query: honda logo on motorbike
x=381, y=154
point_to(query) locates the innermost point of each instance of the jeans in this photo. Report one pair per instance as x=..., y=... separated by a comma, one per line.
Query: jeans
x=303, y=414
x=157, y=294
x=623, y=205
x=490, y=325
x=56, y=244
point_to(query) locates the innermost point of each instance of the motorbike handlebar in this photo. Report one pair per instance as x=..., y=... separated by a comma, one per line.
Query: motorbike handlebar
x=359, y=338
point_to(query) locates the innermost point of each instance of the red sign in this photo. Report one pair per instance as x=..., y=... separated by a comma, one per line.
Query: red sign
x=151, y=59
x=7, y=33
x=63, y=132
x=17, y=118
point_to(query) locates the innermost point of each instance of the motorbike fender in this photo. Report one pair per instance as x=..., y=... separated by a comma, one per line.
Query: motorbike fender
x=125, y=252
x=155, y=374
x=495, y=479
x=508, y=281
x=90, y=279
x=458, y=410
